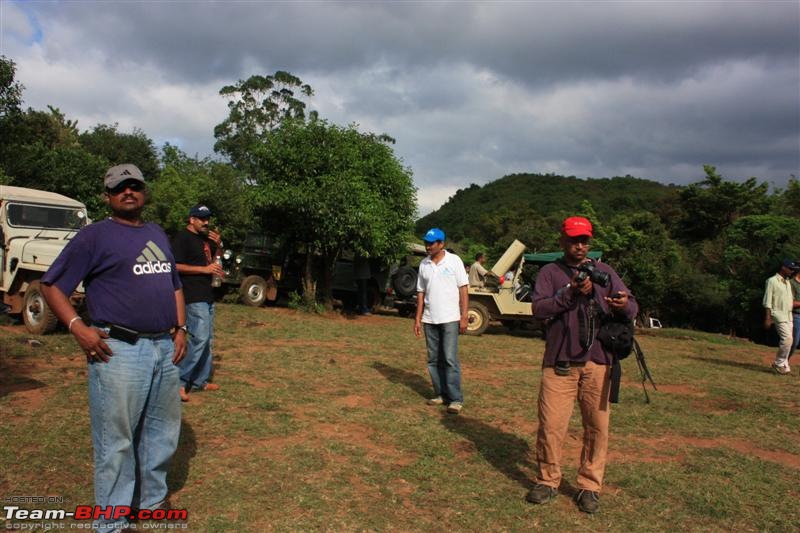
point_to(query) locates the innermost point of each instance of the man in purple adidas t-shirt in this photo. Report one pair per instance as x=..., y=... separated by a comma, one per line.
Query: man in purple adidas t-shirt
x=135, y=340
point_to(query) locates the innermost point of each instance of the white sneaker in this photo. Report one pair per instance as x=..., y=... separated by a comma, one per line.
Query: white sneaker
x=454, y=408
x=436, y=401
x=781, y=369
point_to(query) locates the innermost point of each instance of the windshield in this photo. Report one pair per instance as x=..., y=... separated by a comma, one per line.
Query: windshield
x=260, y=243
x=41, y=216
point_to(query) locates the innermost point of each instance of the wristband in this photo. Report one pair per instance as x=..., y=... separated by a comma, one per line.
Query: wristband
x=69, y=326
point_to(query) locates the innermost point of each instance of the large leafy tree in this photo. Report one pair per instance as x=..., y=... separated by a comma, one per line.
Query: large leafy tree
x=330, y=188
x=713, y=204
x=186, y=181
x=42, y=151
x=117, y=147
x=756, y=245
x=256, y=106
x=10, y=90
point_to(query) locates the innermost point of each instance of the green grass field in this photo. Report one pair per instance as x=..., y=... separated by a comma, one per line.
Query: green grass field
x=321, y=424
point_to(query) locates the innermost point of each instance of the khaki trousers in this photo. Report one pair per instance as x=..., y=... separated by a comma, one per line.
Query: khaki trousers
x=589, y=383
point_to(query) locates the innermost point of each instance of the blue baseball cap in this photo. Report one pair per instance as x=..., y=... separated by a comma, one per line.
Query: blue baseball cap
x=200, y=211
x=433, y=235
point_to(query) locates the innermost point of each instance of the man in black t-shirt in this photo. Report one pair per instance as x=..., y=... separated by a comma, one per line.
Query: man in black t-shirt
x=195, y=249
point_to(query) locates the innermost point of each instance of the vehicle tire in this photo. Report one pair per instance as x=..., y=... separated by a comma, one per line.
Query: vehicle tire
x=405, y=282
x=406, y=311
x=477, y=318
x=37, y=315
x=253, y=291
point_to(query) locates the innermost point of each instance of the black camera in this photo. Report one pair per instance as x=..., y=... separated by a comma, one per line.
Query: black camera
x=588, y=270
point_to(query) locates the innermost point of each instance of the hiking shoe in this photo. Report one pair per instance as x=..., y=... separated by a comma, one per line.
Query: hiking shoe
x=436, y=401
x=588, y=501
x=780, y=369
x=183, y=394
x=541, y=494
x=454, y=408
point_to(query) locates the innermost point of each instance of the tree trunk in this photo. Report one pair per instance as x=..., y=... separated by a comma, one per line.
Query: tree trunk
x=328, y=267
x=309, y=286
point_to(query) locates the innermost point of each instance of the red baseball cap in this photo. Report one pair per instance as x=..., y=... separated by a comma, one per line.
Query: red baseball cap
x=576, y=227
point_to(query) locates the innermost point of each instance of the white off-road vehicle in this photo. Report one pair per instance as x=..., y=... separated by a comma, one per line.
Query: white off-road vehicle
x=34, y=227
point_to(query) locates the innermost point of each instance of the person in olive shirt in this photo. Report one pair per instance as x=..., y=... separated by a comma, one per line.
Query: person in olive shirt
x=195, y=249
x=794, y=282
x=778, y=304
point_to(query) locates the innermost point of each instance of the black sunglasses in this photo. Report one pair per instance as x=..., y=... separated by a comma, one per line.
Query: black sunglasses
x=134, y=185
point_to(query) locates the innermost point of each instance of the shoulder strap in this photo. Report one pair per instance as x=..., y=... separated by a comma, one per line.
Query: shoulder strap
x=563, y=266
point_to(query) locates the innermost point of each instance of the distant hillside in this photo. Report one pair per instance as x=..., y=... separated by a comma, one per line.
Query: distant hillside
x=544, y=198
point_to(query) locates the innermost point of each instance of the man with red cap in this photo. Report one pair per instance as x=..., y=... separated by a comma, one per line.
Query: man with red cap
x=570, y=297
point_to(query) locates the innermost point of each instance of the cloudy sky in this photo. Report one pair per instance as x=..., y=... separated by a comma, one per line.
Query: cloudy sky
x=471, y=90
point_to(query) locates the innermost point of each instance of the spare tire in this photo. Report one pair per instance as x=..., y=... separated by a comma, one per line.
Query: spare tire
x=405, y=282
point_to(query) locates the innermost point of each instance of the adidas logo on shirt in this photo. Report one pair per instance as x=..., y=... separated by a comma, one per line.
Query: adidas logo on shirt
x=152, y=261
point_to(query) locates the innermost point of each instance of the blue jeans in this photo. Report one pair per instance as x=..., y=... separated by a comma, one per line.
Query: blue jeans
x=795, y=333
x=196, y=367
x=135, y=412
x=443, y=364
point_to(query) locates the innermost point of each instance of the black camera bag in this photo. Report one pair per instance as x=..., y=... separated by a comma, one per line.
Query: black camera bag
x=616, y=335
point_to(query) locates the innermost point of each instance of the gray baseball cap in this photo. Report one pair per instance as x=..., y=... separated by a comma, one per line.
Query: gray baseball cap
x=120, y=173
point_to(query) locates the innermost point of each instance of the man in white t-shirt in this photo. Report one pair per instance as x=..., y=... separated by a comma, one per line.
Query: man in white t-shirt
x=442, y=300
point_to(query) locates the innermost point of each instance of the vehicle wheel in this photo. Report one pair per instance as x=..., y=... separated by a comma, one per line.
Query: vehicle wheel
x=477, y=318
x=405, y=311
x=253, y=291
x=405, y=281
x=36, y=314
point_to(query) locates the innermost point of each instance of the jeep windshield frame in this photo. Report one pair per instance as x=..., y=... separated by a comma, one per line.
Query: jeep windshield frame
x=38, y=216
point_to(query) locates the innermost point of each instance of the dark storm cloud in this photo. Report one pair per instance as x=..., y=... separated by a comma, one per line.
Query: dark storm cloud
x=537, y=42
x=471, y=91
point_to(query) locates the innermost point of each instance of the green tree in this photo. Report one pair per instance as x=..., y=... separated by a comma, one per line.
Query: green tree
x=10, y=90
x=67, y=170
x=42, y=152
x=186, y=181
x=787, y=202
x=334, y=188
x=756, y=245
x=256, y=106
x=713, y=204
x=639, y=248
x=117, y=148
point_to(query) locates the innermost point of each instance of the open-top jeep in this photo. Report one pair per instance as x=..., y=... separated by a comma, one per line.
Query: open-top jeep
x=507, y=298
x=34, y=227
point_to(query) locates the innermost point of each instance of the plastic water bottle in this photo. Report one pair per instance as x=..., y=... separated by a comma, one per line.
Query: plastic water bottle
x=216, y=280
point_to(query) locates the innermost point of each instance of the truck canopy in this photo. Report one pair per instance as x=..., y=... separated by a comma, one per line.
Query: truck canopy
x=21, y=194
x=549, y=257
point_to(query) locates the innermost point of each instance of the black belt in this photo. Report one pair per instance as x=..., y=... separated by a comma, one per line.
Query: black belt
x=131, y=336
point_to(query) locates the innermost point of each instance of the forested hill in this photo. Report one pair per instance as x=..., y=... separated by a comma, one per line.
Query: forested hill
x=480, y=213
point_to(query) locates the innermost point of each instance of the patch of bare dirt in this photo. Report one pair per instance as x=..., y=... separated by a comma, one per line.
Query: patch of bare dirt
x=355, y=400
x=316, y=435
x=483, y=375
x=745, y=447
x=465, y=449
x=519, y=426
